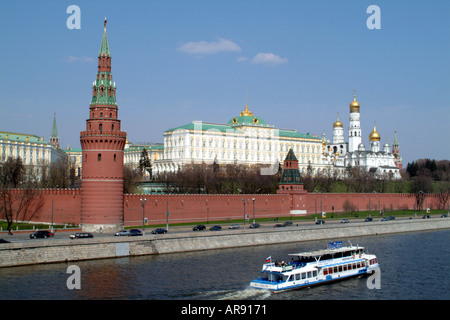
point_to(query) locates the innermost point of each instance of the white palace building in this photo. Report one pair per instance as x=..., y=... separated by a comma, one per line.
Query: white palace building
x=245, y=139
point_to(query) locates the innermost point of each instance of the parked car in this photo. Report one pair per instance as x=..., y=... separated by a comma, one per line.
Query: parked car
x=81, y=235
x=122, y=233
x=427, y=216
x=215, y=228
x=41, y=234
x=4, y=241
x=287, y=223
x=345, y=221
x=234, y=226
x=278, y=225
x=444, y=216
x=254, y=226
x=159, y=231
x=385, y=219
x=391, y=218
x=134, y=232
x=368, y=219
x=320, y=222
x=199, y=227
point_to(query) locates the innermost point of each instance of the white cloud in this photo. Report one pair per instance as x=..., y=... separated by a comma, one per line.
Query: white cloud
x=83, y=59
x=205, y=47
x=241, y=59
x=268, y=59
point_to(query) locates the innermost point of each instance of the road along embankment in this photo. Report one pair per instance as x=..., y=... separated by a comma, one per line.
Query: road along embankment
x=66, y=250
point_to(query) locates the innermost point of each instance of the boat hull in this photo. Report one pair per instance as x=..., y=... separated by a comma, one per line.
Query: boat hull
x=274, y=287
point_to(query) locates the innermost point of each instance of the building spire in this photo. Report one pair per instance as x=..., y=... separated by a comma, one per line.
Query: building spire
x=54, y=139
x=104, y=50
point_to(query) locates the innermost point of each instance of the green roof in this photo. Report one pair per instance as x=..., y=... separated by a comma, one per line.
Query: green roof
x=205, y=127
x=147, y=147
x=295, y=134
x=21, y=137
x=247, y=120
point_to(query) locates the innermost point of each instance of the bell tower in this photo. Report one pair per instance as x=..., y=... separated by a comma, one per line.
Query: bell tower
x=102, y=143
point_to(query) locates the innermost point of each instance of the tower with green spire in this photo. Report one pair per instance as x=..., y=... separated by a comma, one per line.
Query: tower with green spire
x=54, y=139
x=396, y=152
x=102, y=143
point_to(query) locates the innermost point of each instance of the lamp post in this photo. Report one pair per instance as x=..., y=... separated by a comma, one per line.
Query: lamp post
x=53, y=194
x=253, y=199
x=143, y=201
x=243, y=199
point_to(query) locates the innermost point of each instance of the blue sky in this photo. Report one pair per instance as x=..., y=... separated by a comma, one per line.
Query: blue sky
x=178, y=61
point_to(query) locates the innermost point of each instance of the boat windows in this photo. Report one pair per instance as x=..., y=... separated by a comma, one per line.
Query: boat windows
x=297, y=276
x=303, y=275
x=315, y=273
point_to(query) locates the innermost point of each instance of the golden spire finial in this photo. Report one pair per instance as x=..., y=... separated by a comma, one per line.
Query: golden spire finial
x=246, y=112
x=354, y=95
x=105, y=22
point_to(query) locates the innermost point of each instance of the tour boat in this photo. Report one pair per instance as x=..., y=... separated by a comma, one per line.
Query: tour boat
x=306, y=269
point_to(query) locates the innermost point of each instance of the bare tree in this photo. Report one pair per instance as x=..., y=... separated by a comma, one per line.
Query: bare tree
x=19, y=201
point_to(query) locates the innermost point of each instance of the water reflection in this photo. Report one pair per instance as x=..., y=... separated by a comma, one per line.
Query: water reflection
x=413, y=266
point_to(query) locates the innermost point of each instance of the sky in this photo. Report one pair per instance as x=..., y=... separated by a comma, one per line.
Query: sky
x=295, y=62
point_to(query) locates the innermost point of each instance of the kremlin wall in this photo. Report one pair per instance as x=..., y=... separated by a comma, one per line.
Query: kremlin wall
x=209, y=208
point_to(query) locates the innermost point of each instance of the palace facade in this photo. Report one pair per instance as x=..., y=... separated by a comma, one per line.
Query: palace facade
x=245, y=139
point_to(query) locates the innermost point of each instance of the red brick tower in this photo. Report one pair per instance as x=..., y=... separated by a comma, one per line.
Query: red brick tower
x=102, y=144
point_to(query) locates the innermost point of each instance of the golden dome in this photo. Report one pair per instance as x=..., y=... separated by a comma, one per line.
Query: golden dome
x=338, y=123
x=246, y=112
x=354, y=105
x=374, y=135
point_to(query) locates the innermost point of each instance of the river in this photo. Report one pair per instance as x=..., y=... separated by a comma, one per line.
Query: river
x=414, y=266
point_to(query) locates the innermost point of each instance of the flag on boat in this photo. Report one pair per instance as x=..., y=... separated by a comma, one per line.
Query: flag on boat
x=268, y=259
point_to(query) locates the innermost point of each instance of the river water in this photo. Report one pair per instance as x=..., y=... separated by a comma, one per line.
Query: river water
x=414, y=266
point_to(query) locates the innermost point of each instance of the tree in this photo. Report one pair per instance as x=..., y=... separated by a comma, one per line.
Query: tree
x=145, y=163
x=19, y=201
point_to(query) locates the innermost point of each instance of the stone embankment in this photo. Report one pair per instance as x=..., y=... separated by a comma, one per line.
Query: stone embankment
x=66, y=250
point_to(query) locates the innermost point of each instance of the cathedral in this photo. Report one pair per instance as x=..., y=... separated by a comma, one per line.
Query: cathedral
x=382, y=162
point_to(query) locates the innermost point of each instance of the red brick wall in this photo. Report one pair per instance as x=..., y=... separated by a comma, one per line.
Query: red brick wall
x=196, y=208
x=66, y=206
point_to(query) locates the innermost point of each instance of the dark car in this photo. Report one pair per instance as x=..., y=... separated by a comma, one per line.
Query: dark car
x=134, y=232
x=215, y=228
x=4, y=241
x=287, y=223
x=391, y=218
x=159, y=231
x=427, y=216
x=254, y=226
x=199, y=227
x=444, y=216
x=278, y=225
x=81, y=235
x=41, y=234
x=320, y=222
x=368, y=219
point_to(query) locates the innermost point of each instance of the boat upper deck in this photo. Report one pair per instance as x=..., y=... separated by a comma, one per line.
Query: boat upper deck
x=318, y=253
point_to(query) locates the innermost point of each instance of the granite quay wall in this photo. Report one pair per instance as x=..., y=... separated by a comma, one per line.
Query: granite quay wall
x=52, y=251
x=66, y=205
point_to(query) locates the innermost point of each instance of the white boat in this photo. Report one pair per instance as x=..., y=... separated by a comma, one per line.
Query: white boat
x=306, y=269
